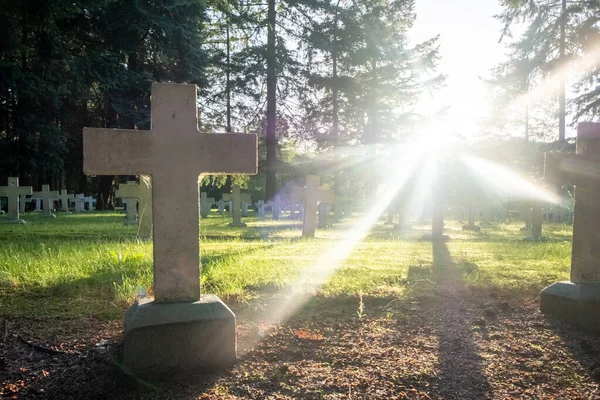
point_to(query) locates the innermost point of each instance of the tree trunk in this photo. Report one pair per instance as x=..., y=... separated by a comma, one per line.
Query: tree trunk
x=337, y=181
x=271, y=184
x=562, y=74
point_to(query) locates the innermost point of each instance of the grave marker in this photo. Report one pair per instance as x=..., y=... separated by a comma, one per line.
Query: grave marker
x=23, y=200
x=579, y=299
x=221, y=207
x=205, y=204
x=235, y=198
x=47, y=197
x=12, y=191
x=131, y=216
x=64, y=200
x=311, y=195
x=143, y=194
x=180, y=329
x=79, y=203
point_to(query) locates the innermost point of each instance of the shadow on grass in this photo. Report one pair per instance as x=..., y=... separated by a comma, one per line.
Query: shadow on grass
x=460, y=363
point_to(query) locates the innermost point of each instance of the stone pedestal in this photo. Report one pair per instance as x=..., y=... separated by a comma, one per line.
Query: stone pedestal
x=576, y=302
x=162, y=338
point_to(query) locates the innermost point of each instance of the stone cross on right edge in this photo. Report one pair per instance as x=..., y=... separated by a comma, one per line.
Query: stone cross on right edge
x=579, y=299
x=47, y=196
x=13, y=191
x=312, y=195
x=179, y=330
x=143, y=194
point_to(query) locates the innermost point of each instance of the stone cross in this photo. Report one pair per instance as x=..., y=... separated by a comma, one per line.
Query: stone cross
x=245, y=208
x=174, y=153
x=131, y=217
x=79, y=203
x=179, y=330
x=143, y=193
x=64, y=200
x=38, y=204
x=579, y=299
x=470, y=226
x=13, y=191
x=260, y=208
x=323, y=212
x=235, y=198
x=312, y=195
x=439, y=208
x=23, y=200
x=221, y=207
x=90, y=202
x=276, y=207
x=205, y=204
x=47, y=198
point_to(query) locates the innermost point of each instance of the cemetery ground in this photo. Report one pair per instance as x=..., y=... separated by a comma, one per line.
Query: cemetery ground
x=397, y=318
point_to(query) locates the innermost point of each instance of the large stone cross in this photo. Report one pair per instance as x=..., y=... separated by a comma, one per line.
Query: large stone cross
x=579, y=299
x=312, y=195
x=13, y=191
x=47, y=196
x=143, y=194
x=174, y=153
x=64, y=200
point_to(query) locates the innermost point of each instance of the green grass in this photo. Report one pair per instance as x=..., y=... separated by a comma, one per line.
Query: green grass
x=93, y=265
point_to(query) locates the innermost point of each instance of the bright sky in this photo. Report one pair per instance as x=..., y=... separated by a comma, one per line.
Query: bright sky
x=469, y=49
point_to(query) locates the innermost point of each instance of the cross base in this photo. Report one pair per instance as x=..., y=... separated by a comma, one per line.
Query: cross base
x=428, y=237
x=473, y=228
x=163, y=338
x=15, y=221
x=575, y=302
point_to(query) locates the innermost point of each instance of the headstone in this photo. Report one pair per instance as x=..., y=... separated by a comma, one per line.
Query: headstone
x=245, y=208
x=205, y=204
x=579, y=299
x=312, y=195
x=470, y=226
x=131, y=216
x=276, y=205
x=12, y=191
x=47, y=197
x=235, y=198
x=221, y=207
x=91, y=203
x=179, y=330
x=64, y=200
x=536, y=223
x=323, y=212
x=38, y=204
x=143, y=194
x=23, y=200
x=390, y=215
x=79, y=203
x=260, y=208
x=437, y=221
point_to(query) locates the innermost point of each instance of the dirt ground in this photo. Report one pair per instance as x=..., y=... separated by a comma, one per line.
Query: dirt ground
x=445, y=341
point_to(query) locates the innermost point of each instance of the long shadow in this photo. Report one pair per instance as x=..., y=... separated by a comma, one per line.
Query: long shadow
x=459, y=361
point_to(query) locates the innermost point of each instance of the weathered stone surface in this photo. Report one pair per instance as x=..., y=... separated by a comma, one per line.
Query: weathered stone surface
x=576, y=302
x=162, y=338
x=172, y=148
x=12, y=191
x=312, y=195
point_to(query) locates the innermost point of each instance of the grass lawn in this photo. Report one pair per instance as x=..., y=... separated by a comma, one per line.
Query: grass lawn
x=92, y=265
x=82, y=271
